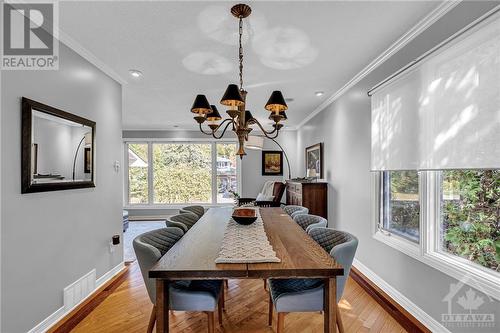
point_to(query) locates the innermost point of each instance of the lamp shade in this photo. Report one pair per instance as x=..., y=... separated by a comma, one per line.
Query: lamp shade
x=282, y=114
x=248, y=115
x=254, y=142
x=232, y=96
x=201, y=105
x=214, y=115
x=276, y=102
x=88, y=138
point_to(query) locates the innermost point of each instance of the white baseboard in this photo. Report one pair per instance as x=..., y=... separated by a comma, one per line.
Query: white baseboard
x=61, y=312
x=428, y=321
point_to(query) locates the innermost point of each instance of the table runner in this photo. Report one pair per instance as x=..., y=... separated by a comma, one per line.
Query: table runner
x=246, y=244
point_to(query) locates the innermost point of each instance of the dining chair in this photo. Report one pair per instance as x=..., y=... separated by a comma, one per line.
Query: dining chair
x=308, y=221
x=197, y=210
x=306, y=295
x=293, y=210
x=185, y=295
x=183, y=221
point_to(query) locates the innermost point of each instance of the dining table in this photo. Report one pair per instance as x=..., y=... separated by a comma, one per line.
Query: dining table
x=193, y=257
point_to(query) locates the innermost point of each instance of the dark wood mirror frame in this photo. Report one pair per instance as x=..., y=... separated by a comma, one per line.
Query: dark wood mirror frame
x=27, y=107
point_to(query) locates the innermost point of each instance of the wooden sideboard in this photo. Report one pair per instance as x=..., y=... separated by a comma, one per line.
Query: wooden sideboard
x=313, y=195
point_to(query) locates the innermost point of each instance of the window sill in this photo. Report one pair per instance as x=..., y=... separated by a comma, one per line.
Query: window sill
x=457, y=268
x=174, y=206
x=399, y=243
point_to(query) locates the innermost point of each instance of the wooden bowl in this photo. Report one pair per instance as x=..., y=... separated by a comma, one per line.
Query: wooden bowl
x=244, y=216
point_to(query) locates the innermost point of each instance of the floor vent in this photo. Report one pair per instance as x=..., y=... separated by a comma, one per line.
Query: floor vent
x=79, y=290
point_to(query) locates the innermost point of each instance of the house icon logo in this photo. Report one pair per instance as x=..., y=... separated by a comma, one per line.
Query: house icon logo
x=467, y=308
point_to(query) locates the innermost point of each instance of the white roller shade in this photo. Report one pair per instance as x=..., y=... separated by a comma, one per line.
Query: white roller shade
x=444, y=113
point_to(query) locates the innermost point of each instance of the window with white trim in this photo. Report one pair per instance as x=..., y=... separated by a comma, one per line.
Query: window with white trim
x=163, y=173
x=436, y=158
x=401, y=204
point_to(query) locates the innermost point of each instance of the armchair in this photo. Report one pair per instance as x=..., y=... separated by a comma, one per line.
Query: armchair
x=277, y=193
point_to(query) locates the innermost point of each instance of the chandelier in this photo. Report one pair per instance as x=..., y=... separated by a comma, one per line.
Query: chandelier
x=240, y=119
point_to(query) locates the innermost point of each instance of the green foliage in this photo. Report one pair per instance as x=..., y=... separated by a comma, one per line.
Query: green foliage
x=404, y=205
x=138, y=177
x=471, y=219
x=182, y=173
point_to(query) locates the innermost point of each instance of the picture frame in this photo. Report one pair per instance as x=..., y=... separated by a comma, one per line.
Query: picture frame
x=272, y=163
x=314, y=161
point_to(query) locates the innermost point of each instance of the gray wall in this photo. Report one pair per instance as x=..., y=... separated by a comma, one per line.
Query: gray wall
x=252, y=179
x=51, y=239
x=345, y=127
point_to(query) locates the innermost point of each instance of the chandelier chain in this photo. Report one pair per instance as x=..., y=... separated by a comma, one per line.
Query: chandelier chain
x=241, y=51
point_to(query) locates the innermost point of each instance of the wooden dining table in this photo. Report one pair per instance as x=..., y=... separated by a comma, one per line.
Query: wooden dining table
x=193, y=257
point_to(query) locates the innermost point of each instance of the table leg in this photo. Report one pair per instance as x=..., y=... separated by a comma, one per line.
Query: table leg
x=162, y=303
x=330, y=305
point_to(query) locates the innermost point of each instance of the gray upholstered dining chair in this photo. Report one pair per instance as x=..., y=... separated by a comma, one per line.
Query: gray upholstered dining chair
x=308, y=222
x=198, y=210
x=306, y=295
x=293, y=210
x=183, y=221
x=185, y=295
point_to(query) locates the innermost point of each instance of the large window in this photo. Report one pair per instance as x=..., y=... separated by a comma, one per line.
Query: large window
x=171, y=173
x=451, y=223
x=401, y=204
x=439, y=116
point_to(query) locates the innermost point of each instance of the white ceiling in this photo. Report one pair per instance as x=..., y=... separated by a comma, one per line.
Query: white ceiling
x=188, y=48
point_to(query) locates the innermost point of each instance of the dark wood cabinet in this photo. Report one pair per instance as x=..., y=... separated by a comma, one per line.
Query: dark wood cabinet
x=313, y=195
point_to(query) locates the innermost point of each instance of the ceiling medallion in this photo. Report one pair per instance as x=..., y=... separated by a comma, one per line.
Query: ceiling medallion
x=235, y=98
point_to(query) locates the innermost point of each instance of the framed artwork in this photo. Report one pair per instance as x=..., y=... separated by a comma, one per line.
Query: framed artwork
x=314, y=161
x=272, y=163
x=87, y=160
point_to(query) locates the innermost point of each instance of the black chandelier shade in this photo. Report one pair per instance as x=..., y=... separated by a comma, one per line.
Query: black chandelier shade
x=248, y=116
x=214, y=115
x=232, y=96
x=276, y=102
x=201, y=105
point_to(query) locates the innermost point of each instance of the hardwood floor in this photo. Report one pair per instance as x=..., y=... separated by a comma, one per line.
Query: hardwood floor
x=128, y=308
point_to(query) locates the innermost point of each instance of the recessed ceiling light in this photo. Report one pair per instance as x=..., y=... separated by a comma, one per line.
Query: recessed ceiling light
x=135, y=73
x=319, y=93
x=289, y=99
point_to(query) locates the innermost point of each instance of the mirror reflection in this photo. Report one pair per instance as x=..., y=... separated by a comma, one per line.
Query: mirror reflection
x=61, y=150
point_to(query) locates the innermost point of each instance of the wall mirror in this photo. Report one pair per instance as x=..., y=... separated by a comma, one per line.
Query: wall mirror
x=58, y=149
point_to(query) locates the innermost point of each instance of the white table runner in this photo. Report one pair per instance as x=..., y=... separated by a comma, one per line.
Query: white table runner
x=246, y=244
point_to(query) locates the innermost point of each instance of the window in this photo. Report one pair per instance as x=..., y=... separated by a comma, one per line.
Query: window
x=470, y=213
x=227, y=182
x=137, y=173
x=438, y=116
x=175, y=173
x=401, y=206
x=182, y=173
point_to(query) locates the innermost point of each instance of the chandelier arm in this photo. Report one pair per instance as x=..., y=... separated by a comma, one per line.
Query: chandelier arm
x=224, y=131
x=266, y=133
x=202, y=131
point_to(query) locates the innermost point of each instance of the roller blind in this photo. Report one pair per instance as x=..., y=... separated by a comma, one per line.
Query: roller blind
x=444, y=113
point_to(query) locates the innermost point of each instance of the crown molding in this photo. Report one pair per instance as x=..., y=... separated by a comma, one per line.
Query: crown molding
x=90, y=57
x=406, y=38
